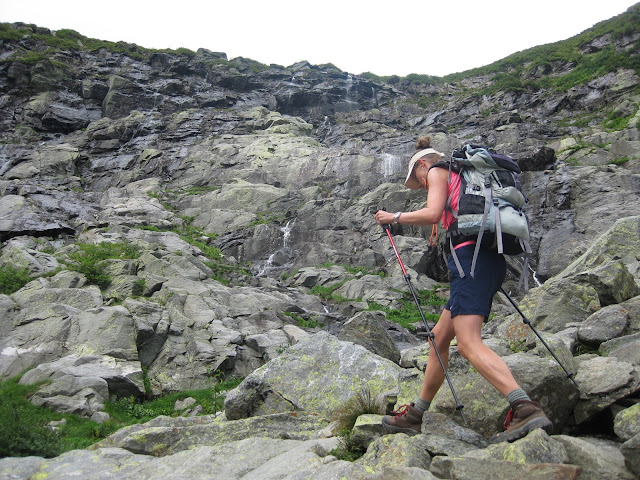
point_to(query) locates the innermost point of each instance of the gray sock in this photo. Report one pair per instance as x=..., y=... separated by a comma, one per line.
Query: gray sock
x=517, y=394
x=421, y=405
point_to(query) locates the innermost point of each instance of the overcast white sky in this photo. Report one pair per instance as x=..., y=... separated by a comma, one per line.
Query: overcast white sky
x=395, y=37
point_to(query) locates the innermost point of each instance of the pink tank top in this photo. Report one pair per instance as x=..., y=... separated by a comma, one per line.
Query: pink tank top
x=453, y=193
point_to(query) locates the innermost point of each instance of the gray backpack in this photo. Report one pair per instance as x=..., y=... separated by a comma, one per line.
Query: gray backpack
x=490, y=205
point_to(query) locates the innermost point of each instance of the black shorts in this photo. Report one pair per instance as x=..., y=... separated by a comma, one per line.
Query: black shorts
x=473, y=296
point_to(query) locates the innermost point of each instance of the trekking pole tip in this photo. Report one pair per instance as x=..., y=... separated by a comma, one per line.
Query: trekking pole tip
x=571, y=377
x=464, y=419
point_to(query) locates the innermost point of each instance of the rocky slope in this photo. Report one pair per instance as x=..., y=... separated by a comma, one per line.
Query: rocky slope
x=232, y=194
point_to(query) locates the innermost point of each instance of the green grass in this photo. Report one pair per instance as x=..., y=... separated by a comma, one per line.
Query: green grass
x=196, y=237
x=200, y=190
x=326, y=292
x=301, y=321
x=87, y=258
x=127, y=411
x=362, y=403
x=408, y=313
x=192, y=235
x=614, y=123
x=13, y=279
x=619, y=161
x=27, y=423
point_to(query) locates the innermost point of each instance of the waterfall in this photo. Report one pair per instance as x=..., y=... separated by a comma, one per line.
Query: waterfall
x=535, y=276
x=280, y=259
x=391, y=164
x=348, y=87
x=286, y=234
x=324, y=130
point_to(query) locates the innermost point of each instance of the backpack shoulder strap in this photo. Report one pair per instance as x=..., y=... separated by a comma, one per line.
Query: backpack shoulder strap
x=447, y=164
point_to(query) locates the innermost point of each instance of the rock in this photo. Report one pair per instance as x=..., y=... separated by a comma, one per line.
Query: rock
x=624, y=348
x=104, y=375
x=37, y=294
x=485, y=409
x=366, y=329
x=336, y=370
x=367, y=429
x=17, y=217
x=555, y=305
x=626, y=423
x=184, y=403
x=164, y=436
x=537, y=447
x=100, y=417
x=20, y=467
x=602, y=381
x=438, y=425
x=629, y=450
x=604, y=265
x=597, y=458
x=399, y=450
x=603, y=325
x=446, y=467
x=69, y=394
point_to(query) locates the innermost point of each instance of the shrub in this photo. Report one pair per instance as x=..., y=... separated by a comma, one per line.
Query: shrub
x=362, y=403
x=86, y=259
x=13, y=279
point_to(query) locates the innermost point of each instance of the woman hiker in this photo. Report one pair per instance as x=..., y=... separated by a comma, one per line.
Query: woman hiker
x=468, y=307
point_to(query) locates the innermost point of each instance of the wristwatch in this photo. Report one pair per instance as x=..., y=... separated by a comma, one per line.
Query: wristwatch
x=396, y=217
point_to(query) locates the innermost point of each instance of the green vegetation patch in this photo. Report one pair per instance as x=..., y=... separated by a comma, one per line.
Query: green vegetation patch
x=325, y=292
x=195, y=236
x=128, y=411
x=31, y=435
x=301, y=321
x=87, y=257
x=363, y=403
x=13, y=279
x=408, y=313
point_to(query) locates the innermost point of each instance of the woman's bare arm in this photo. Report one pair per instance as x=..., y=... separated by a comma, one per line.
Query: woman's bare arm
x=436, y=202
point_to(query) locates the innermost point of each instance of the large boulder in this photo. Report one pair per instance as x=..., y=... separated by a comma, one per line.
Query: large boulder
x=164, y=436
x=578, y=204
x=603, y=381
x=81, y=384
x=368, y=329
x=320, y=375
x=605, y=274
x=598, y=458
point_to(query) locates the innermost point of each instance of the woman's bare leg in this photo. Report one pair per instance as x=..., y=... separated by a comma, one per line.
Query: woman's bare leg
x=434, y=375
x=488, y=363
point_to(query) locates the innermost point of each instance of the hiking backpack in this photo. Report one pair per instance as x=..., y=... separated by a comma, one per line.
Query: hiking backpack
x=490, y=205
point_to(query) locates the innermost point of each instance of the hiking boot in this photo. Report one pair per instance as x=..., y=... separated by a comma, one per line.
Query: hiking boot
x=407, y=419
x=524, y=416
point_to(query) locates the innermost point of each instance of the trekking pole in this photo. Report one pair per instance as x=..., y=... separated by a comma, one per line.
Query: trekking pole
x=526, y=321
x=430, y=334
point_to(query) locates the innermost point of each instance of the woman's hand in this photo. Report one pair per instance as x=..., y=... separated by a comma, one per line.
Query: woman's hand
x=383, y=218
